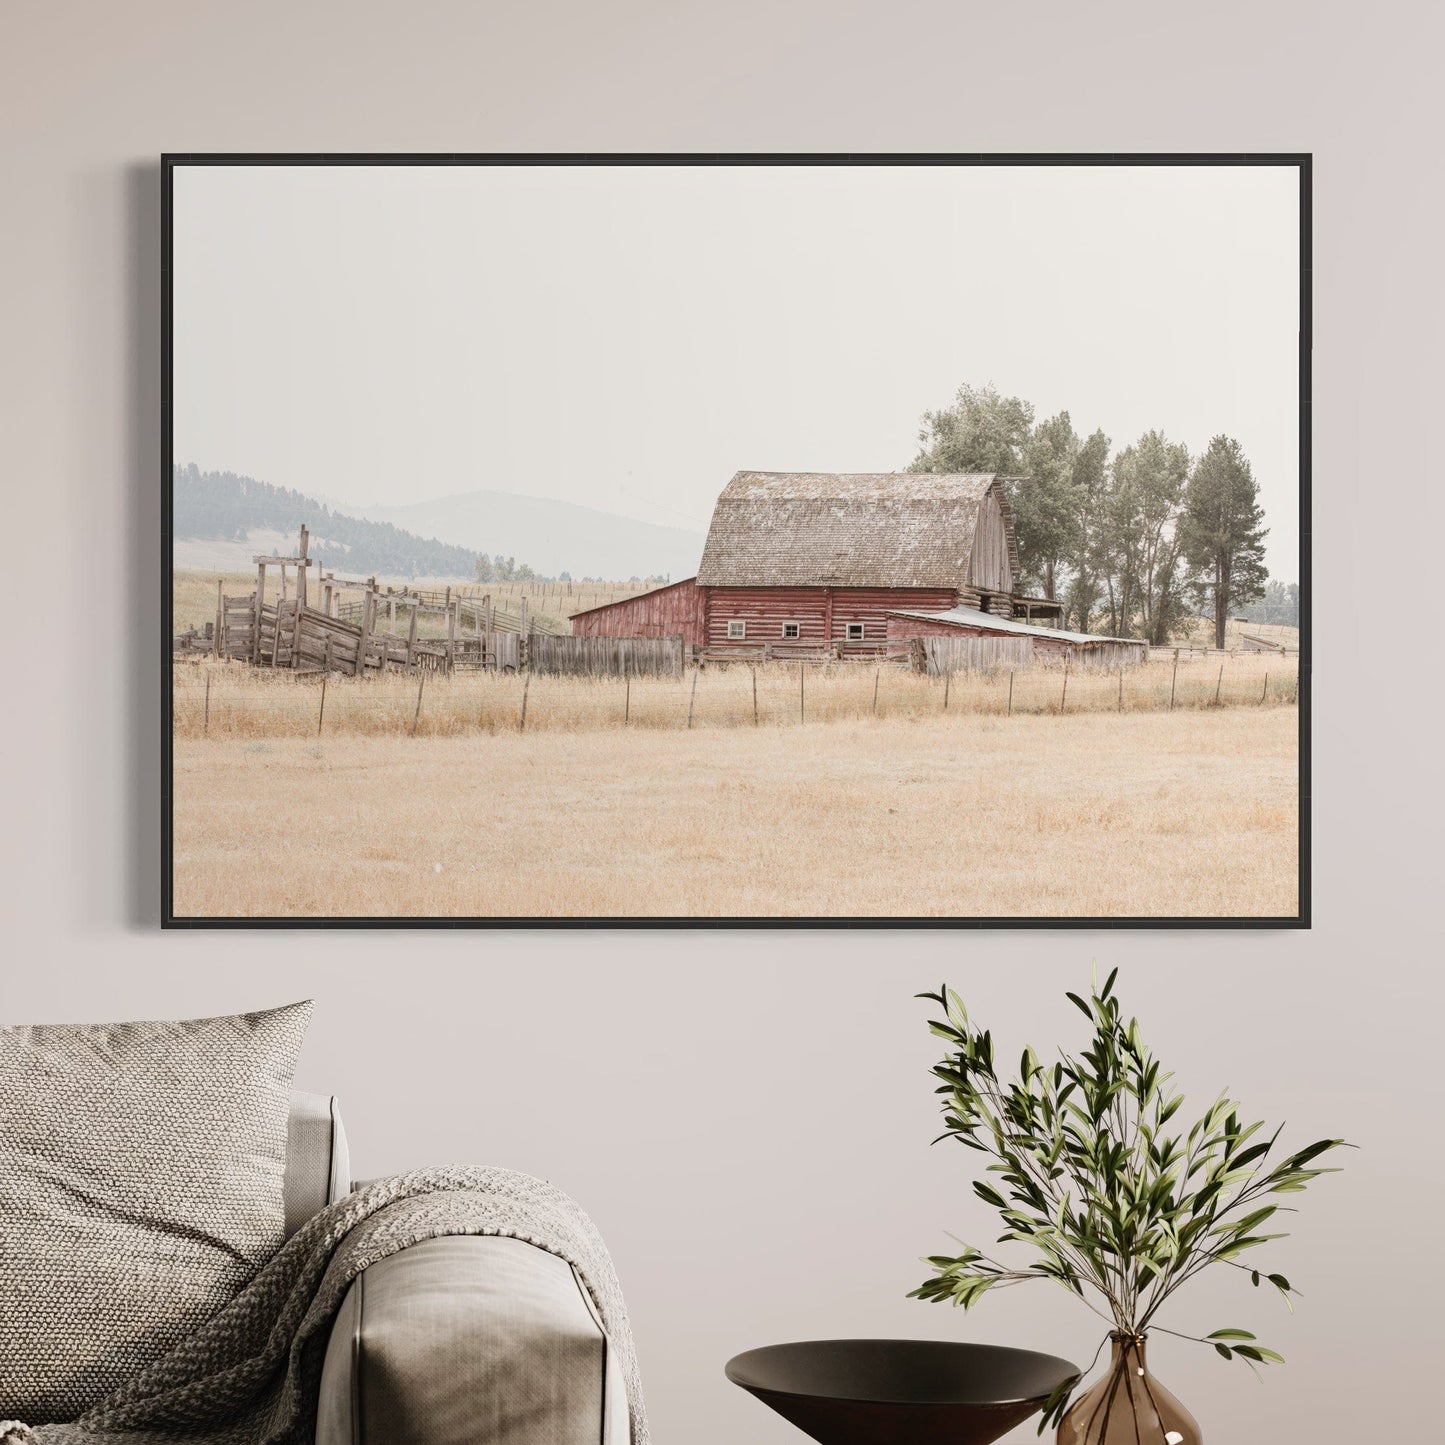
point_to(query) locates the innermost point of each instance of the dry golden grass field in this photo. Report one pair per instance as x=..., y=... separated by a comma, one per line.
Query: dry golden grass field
x=234, y=699
x=964, y=814
x=1199, y=632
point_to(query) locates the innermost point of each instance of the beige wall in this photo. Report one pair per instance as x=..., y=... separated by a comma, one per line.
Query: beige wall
x=748, y=1116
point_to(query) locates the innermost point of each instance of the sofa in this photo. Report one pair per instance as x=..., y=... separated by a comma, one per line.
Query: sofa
x=463, y=1340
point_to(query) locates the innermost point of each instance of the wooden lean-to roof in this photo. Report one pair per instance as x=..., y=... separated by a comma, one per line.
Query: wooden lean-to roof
x=848, y=529
x=974, y=620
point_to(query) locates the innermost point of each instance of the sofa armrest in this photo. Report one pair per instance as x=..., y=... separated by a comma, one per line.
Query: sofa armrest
x=470, y=1340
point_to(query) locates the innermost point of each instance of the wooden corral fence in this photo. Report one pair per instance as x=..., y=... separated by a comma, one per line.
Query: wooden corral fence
x=379, y=630
x=606, y=656
x=475, y=611
x=940, y=656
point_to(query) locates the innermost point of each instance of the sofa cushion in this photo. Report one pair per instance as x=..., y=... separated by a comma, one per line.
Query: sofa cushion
x=318, y=1163
x=141, y=1170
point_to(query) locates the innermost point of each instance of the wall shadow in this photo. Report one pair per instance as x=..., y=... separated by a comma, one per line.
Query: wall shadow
x=146, y=787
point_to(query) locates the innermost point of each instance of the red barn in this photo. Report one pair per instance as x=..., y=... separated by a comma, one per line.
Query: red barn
x=672, y=611
x=809, y=560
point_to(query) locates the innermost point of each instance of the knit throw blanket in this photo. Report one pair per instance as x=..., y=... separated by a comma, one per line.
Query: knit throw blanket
x=251, y=1376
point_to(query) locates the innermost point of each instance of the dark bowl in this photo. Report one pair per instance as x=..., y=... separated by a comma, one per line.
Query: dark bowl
x=900, y=1392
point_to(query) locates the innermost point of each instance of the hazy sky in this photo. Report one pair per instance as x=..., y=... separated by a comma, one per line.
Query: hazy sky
x=629, y=338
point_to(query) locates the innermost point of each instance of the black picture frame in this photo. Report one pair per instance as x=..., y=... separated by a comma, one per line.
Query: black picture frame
x=1301, y=162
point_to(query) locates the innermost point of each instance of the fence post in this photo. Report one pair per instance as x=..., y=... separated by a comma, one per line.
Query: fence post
x=368, y=604
x=1264, y=693
x=1010, y=693
x=522, y=722
x=876, y=675
x=260, y=607
x=416, y=718
x=626, y=697
x=1064, y=695
x=691, y=697
x=1218, y=684
x=1174, y=678
x=802, y=706
x=206, y=726
x=947, y=679
x=220, y=617
x=1121, y=687
x=321, y=713
x=755, y=694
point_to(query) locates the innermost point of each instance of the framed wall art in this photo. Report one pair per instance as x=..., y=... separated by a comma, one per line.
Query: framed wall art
x=737, y=540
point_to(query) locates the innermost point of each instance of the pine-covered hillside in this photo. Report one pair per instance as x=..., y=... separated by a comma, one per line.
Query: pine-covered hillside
x=222, y=506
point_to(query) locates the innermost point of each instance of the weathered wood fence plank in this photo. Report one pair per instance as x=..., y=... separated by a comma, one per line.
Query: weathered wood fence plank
x=945, y=655
x=606, y=656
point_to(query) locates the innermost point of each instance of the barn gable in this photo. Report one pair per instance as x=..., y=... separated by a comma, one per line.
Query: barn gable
x=873, y=529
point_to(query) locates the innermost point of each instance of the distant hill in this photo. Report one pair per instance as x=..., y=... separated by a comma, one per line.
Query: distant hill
x=553, y=536
x=225, y=508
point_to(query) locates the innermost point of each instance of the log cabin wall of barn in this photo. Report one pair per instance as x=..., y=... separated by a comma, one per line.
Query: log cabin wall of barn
x=822, y=613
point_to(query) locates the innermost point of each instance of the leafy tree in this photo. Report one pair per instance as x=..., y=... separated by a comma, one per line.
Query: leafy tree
x=1277, y=604
x=1091, y=476
x=981, y=432
x=1142, y=514
x=1047, y=505
x=1223, y=531
x=485, y=572
x=1131, y=541
x=985, y=432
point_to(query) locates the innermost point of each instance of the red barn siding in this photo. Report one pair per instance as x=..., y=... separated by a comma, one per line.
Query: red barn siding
x=672, y=611
x=822, y=613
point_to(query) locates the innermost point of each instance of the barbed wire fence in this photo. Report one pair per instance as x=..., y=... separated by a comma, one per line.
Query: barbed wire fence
x=220, y=699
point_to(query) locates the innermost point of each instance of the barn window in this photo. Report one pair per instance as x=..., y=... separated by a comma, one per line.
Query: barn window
x=855, y=632
x=792, y=630
x=737, y=629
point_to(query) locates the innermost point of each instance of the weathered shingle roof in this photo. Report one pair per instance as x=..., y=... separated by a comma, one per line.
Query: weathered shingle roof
x=848, y=529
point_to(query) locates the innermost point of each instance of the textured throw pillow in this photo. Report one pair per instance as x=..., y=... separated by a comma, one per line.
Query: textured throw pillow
x=141, y=1168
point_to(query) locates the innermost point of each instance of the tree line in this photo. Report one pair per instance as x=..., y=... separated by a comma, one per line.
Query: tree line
x=1133, y=542
x=227, y=507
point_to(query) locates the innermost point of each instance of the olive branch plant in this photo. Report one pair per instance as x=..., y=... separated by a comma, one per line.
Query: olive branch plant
x=1123, y=1209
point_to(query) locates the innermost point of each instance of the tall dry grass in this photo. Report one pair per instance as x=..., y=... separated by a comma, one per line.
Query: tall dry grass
x=1095, y=815
x=257, y=702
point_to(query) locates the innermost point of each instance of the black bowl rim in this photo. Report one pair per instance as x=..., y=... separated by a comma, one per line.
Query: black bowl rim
x=1067, y=1369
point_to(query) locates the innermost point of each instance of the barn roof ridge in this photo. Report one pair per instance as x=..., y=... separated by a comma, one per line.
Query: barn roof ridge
x=748, y=481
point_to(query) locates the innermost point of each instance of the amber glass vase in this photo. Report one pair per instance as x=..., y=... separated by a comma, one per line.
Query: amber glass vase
x=1128, y=1406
